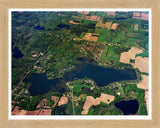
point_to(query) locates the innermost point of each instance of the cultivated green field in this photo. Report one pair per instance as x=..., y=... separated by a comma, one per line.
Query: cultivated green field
x=112, y=56
x=105, y=52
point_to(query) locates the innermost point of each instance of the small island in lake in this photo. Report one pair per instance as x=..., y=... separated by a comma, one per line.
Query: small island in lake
x=80, y=63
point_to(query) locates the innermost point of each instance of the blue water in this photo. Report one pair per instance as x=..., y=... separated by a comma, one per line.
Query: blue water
x=39, y=28
x=38, y=64
x=17, y=53
x=128, y=107
x=122, y=18
x=102, y=76
x=41, y=85
x=63, y=26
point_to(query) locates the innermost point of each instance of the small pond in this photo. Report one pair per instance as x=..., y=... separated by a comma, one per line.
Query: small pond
x=128, y=107
x=39, y=28
x=17, y=53
x=63, y=26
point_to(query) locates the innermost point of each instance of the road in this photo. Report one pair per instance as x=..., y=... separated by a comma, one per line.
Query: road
x=21, y=81
x=73, y=102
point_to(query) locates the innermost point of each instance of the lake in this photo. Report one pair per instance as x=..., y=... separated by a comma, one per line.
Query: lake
x=17, y=53
x=128, y=107
x=41, y=85
x=101, y=75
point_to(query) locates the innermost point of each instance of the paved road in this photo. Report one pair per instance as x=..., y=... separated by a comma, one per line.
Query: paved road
x=73, y=103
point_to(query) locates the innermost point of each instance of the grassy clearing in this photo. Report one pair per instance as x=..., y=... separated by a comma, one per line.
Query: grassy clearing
x=115, y=37
x=112, y=56
x=120, y=37
x=109, y=36
x=103, y=33
x=82, y=35
x=97, y=13
x=79, y=14
x=136, y=27
x=147, y=46
x=105, y=52
x=88, y=22
x=131, y=41
x=98, y=30
x=144, y=54
x=78, y=87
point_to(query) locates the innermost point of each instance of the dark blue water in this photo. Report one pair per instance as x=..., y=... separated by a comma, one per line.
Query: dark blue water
x=122, y=18
x=41, y=85
x=38, y=64
x=102, y=76
x=17, y=53
x=128, y=107
x=63, y=26
x=39, y=28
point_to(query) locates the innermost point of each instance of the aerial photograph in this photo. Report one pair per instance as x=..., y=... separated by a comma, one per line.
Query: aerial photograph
x=79, y=63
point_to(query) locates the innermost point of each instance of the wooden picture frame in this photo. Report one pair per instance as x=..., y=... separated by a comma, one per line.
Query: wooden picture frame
x=4, y=62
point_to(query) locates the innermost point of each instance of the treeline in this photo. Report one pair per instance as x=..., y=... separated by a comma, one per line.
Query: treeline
x=19, y=68
x=104, y=109
x=121, y=49
x=86, y=27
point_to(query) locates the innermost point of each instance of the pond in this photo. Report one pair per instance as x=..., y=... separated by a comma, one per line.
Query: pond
x=128, y=107
x=122, y=18
x=17, y=53
x=63, y=26
x=102, y=76
x=39, y=28
x=38, y=64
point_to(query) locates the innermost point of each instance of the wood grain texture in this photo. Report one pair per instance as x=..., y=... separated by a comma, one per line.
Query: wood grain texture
x=6, y=4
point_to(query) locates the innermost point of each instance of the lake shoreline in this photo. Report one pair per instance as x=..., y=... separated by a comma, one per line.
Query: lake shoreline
x=100, y=75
